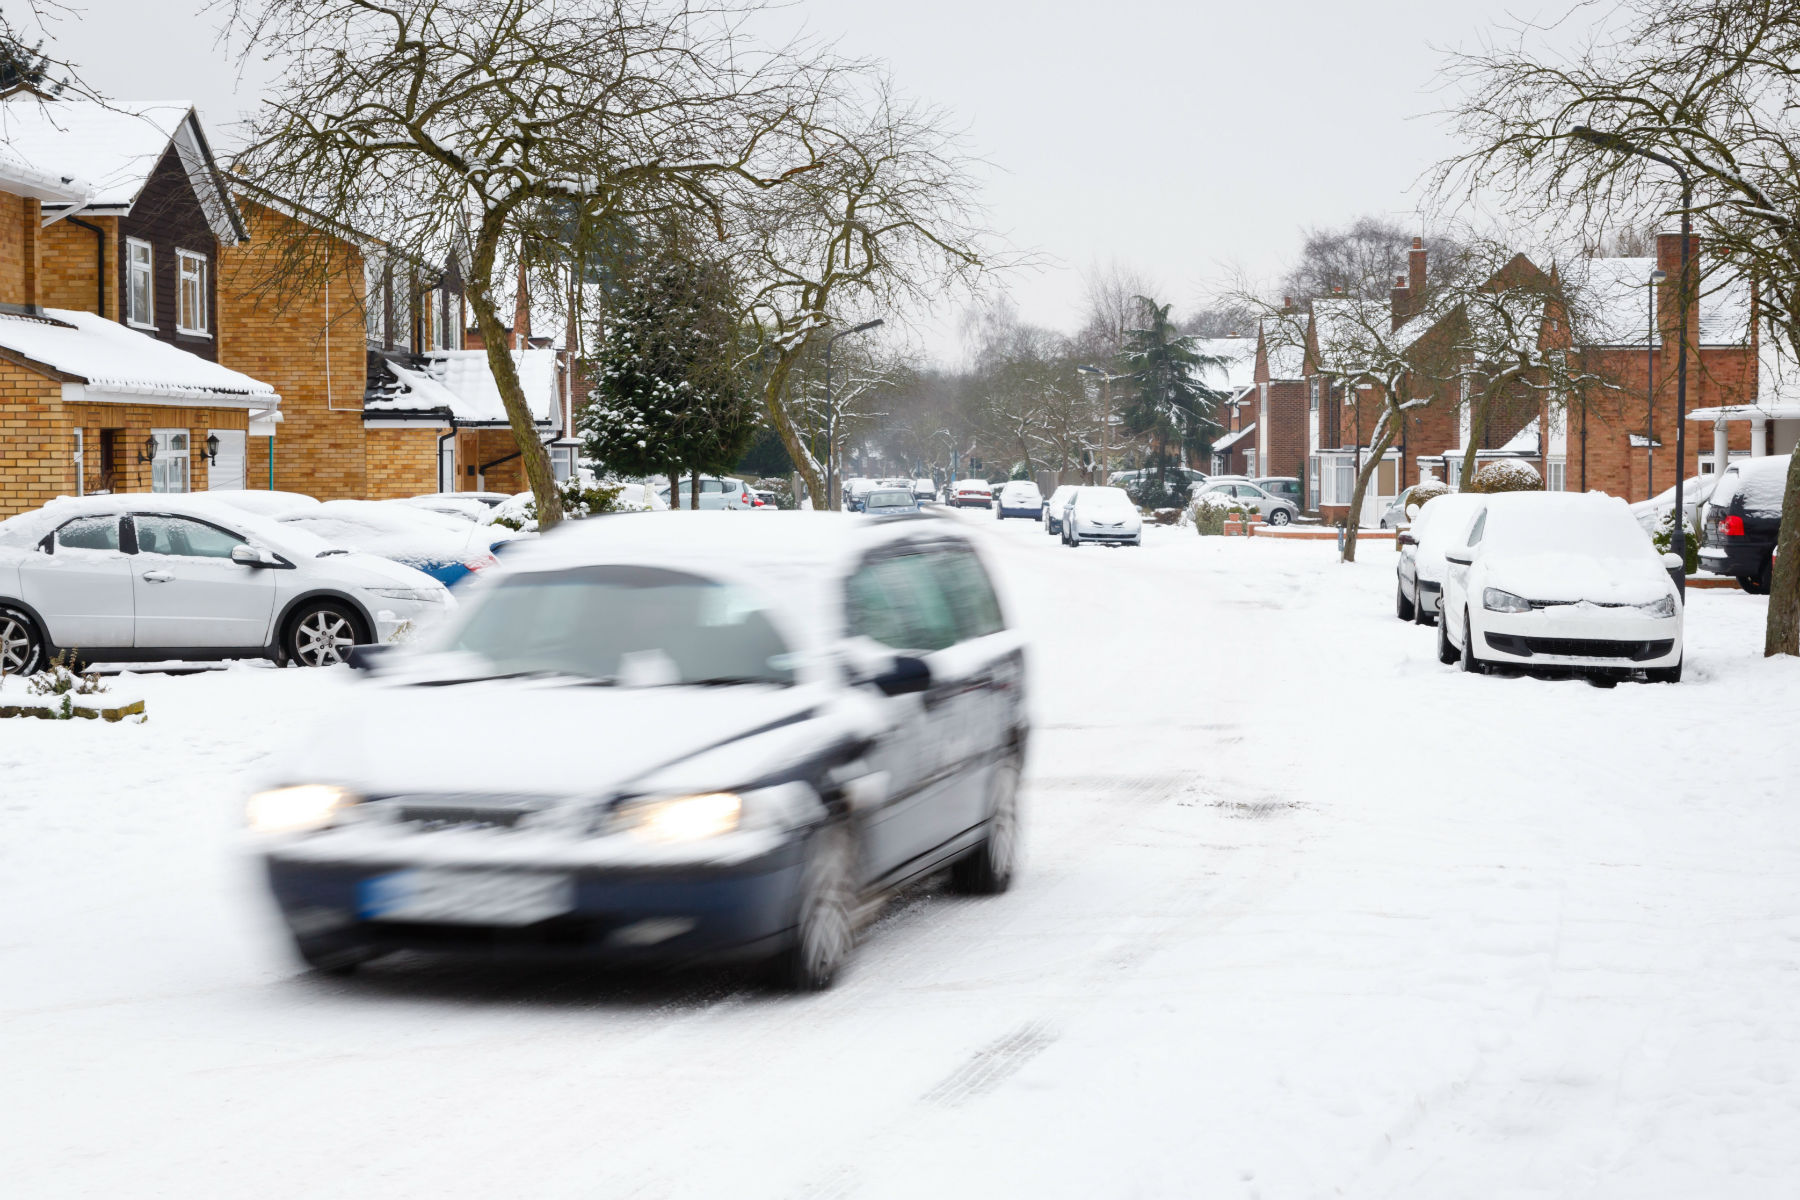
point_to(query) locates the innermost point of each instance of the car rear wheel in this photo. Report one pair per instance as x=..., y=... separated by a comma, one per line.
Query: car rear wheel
x=320, y=635
x=1758, y=584
x=1403, y=607
x=988, y=869
x=1446, y=651
x=21, y=649
x=825, y=931
x=1280, y=516
x=1470, y=663
x=1419, y=612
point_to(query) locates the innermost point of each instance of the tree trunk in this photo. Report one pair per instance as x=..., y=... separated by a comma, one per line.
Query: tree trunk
x=774, y=392
x=1477, y=426
x=532, y=455
x=1782, y=634
x=694, y=490
x=1386, y=430
x=674, y=487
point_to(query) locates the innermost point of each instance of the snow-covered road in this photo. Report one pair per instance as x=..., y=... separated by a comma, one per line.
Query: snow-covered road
x=1304, y=914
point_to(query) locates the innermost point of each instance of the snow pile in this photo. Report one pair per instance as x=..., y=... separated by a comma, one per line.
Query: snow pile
x=1507, y=475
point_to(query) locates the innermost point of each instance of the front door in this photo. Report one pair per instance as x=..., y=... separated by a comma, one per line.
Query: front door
x=188, y=591
x=81, y=586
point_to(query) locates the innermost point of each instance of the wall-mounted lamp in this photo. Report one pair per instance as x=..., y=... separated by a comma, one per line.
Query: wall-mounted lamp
x=148, y=453
x=212, y=449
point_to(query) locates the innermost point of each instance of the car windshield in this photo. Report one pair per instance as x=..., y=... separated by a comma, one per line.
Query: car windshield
x=1105, y=498
x=888, y=500
x=1601, y=527
x=627, y=625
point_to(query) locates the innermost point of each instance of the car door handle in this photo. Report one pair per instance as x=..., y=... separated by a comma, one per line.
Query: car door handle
x=158, y=577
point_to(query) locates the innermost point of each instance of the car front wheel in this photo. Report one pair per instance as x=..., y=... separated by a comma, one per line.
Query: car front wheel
x=1418, y=603
x=21, y=649
x=1470, y=663
x=1280, y=517
x=988, y=869
x=1403, y=607
x=825, y=931
x=320, y=636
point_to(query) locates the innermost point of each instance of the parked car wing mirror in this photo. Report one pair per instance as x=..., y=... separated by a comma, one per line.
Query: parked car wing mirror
x=247, y=555
x=908, y=675
x=1461, y=562
x=1672, y=561
x=1406, y=539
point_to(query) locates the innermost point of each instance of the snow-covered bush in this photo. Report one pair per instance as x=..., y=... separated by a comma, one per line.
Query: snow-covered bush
x=1424, y=492
x=1663, y=535
x=1211, y=510
x=580, y=497
x=1507, y=475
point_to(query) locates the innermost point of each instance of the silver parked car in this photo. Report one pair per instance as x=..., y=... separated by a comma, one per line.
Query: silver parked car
x=1276, y=510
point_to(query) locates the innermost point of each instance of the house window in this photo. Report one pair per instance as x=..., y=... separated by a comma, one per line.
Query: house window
x=1559, y=476
x=1250, y=462
x=1344, y=473
x=562, y=461
x=169, y=468
x=1312, y=477
x=1453, y=474
x=1312, y=400
x=191, y=315
x=140, y=288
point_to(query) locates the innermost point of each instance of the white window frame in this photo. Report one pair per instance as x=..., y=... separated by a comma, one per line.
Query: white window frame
x=182, y=275
x=1557, y=475
x=1250, y=462
x=1453, y=472
x=132, y=270
x=172, y=460
x=1312, y=480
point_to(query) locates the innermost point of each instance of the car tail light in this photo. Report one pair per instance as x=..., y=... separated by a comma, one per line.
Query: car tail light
x=481, y=562
x=1732, y=526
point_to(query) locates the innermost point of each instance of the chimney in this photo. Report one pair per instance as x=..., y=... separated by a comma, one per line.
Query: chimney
x=1668, y=300
x=1415, y=268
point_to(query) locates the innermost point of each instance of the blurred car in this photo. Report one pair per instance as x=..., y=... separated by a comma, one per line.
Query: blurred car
x=1102, y=514
x=1273, y=509
x=145, y=577
x=855, y=490
x=1053, y=507
x=716, y=492
x=1282, y=487
x=742, y=733
x=488, y=498
x=889, y=502
x=971, y=493
x=1394, y=516
x=925, y=491
x=1018, y=498
x=1743, y=520
x=1564, y=582
x=446, y=548
x=1419, y=574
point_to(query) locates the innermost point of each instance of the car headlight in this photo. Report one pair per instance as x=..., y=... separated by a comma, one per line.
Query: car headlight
x=1495, y=600
x=681, y=818
x=1664, y=607
x=297, y=809
x=420, y=595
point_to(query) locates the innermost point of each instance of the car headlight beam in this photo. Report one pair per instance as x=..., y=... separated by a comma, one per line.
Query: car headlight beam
x=299, y=809
x=666, y=819
x=1495, y=600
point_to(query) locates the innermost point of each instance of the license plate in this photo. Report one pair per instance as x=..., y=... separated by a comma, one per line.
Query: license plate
x=465, y=896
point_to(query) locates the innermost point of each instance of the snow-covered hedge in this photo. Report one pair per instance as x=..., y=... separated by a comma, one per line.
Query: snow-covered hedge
x=580, y=497
x=1507, y=475
x=1210, y=510
x=1424, y=492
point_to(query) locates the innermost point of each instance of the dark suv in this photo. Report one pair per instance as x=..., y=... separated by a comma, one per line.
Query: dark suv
x=1742, y=520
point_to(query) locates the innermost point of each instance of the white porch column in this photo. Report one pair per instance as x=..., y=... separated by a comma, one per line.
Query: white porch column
x=1759, y=436
x=1721, y=446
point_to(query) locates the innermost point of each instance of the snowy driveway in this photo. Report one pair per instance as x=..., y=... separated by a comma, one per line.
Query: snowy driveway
x=1304, y=914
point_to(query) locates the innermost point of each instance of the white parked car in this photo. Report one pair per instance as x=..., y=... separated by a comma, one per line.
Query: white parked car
x=971, y=493
x=1019, y=498
x=1102, y=514
x=1273, y=509
x=447, y=548
x=1559, y=581
x=261, y=503
x=1420, y=571
x=148, y=577
x=1055, y=506
x=715, y=493
x=924, y=491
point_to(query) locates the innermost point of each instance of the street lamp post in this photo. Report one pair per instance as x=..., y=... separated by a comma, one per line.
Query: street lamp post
x=1619, y=145
x=831, y=488
x=1105, y=415
x=1656, y=277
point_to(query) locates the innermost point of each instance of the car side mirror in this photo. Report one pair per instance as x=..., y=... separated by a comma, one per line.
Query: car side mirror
x=1412, y=512
x=246, y=555
x=907, y=676
x=1406, y=539
x=1672, y=561
x=1461, y=562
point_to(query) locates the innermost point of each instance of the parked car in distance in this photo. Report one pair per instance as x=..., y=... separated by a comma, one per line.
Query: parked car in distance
x=488, y=498
x=1419, y=574
x=1127, y=479
x=925, y=491
x=147, y=577
x=742, y=733
x=1102, y=514
x=1696, y=490
x=890, y=502
x=1743, y=520
x=1054, y=507
x=1564, y=582
x=716, y=492
x=259, y=503
x=475, y=512
x=971, y=493
x=1283, y=487
x=1275, y=510
x=444, y=547
x=1018, y=498
x=1394, y=516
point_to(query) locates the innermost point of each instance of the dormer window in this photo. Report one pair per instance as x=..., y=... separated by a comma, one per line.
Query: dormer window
x=191, y=309
x=140, y=292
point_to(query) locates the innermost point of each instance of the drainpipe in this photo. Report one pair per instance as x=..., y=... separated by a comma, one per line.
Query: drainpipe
x=99, y=261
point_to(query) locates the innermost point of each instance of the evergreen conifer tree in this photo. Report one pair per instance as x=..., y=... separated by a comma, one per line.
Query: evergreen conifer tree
x=1166, y=401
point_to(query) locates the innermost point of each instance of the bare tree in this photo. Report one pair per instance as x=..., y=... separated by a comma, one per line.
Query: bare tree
x=1694, y=91
x=888, y=218
x=471, y=128
x=1361, y=260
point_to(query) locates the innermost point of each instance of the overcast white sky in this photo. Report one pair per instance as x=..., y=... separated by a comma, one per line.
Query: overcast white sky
x=1190, y=140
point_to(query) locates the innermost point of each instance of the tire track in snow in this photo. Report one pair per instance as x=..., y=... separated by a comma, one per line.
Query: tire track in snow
x=993, y=1064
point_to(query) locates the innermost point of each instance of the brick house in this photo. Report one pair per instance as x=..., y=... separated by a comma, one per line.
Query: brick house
x=1264, y=417
x=108, y=331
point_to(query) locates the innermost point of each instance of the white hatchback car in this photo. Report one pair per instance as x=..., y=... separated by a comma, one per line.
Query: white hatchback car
x=1102, y=514
x=149, y=577
x=1565, y=582
x=1419, y=575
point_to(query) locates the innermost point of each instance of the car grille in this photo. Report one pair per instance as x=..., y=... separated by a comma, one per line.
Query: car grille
x=1526, y=647
x=1541, y=604
x=461, y=811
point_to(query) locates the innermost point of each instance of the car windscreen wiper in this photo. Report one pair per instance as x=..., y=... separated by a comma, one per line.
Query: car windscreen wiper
x=330, y=552
x=453, y=680
x=729, y=681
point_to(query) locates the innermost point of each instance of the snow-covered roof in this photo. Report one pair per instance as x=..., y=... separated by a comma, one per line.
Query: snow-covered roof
x=1232, y=439
x=115, y=146
x=1612, y=295
x=107, y=356
x=458, y=382
x=22, y=179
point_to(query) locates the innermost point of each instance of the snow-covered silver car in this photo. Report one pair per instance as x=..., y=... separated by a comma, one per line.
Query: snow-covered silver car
x=1419, y=574
x=741, y=733
x=1102, y=514
x=148, y=577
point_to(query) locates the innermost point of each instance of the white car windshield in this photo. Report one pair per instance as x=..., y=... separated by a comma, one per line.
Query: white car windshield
x=1601, y=527
x=626, y=625
x=1106, y=498
x=889, y=500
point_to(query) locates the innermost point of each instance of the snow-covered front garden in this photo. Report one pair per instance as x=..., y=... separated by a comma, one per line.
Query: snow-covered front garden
x=1304, y=913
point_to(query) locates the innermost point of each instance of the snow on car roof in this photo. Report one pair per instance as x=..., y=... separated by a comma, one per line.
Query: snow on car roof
x=28, y=527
